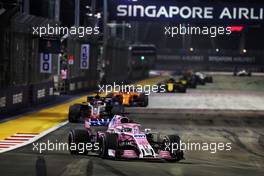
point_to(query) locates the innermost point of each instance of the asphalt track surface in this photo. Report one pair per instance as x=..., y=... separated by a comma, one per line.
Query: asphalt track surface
x=245, y=132
x=208, y=99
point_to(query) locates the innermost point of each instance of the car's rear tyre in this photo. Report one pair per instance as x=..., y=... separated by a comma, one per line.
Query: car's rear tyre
x=74, y=113
x=182, y=89
x=144, y=100
x=77, y=141
x=192, y=82
x=202, y=82
x=173, y=140
x=209, y=79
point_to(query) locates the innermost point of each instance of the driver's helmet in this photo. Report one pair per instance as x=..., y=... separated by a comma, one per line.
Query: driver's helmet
x=124, y=120
x=128, y=130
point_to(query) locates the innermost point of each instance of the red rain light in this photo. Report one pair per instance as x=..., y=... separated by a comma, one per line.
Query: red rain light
x=236, y=28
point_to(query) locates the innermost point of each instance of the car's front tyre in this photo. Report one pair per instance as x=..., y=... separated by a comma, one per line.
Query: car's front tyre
x=77, y=141
x=106, y=142
x=74, y=113
x=176, y=153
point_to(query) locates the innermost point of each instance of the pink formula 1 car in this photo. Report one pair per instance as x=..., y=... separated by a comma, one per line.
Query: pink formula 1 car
x=123, y=139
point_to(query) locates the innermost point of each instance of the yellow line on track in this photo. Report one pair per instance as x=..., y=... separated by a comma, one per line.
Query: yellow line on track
x=46, y=118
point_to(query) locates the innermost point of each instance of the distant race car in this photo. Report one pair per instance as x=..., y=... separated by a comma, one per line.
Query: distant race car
x=203, y=78
x=124, y=139
x=172, y=85
x=129, y=98
x=97, y=110
x=242, y=72
x=197, y=78
x=191, y=81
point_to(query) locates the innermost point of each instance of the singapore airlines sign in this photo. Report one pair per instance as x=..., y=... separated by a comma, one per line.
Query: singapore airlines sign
x=179, y=12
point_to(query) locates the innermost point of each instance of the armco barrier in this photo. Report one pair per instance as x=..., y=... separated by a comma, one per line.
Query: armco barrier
x=14, y=98
x=79, y=84
x=3, y=101
x=41, y=93
x=19, y=97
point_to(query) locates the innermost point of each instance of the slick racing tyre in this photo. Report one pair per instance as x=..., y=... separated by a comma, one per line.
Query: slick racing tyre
x=176, y=153
x=192, y=82
x=77, y=141
x=209, y=79
x=106, y=142
x=145, y=103
x=139, y=100
x=202, y=82
x=74, y=113
x=143, y=100
x=181, y=89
